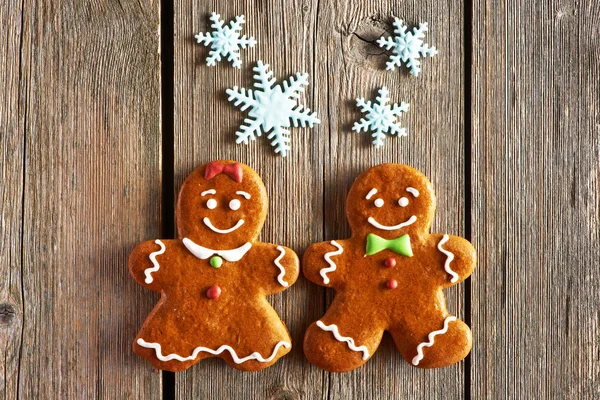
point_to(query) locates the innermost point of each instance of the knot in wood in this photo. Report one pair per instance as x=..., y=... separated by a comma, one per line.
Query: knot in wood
x=283, y=393
x=361, y=44
x=7, y=314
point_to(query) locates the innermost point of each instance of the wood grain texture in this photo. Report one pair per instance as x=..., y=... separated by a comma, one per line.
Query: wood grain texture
x=80, y=126
x=12, y=125
x=205, y=125
x=335, y=44
x=354, y=66
x=536, y=155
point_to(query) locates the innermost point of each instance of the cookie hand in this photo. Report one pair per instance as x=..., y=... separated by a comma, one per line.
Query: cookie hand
x=277, y=267
x=288, y=268
x=458, y=258
x=145, y=263
x=321, y=263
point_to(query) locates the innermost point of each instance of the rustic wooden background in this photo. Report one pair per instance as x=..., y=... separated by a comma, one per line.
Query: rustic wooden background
x=107, y=105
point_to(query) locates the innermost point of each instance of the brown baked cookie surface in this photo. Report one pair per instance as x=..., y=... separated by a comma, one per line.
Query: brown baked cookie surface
x=214, y=278
x=389, y=276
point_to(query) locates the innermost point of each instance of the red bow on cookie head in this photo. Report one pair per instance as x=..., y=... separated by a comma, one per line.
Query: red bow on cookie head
x=234, y=171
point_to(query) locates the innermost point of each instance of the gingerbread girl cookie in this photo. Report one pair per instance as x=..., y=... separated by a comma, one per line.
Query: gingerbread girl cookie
x=215, y=277
x=389, y=276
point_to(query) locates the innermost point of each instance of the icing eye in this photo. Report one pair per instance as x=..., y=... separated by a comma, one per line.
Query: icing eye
x=211, y=204
x=235, y=204
x=379, y=203
x=403, y=202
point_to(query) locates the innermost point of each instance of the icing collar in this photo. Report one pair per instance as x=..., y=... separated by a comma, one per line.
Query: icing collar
x=203, y=253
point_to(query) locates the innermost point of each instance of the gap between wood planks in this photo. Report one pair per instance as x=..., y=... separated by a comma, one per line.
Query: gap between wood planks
x=167, y=229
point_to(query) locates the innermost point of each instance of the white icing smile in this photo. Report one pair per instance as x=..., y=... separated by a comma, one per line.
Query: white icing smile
x=376, y=224
x=207, y=222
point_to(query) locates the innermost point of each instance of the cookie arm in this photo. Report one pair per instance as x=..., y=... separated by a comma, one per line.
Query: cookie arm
x=277, y=267
x=459, y=258
x=145, y=263
x=321, y=262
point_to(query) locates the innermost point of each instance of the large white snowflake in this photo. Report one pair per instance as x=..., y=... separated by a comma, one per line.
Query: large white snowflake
x=381, y=117
x=273, y=107
x=408, y=47
x=225, y=40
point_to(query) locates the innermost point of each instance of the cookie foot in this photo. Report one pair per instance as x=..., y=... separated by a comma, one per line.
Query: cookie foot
x=329, y=347
x=448, y=344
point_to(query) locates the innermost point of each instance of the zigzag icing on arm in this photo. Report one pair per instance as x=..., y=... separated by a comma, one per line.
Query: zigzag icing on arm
x=332, y=267
x=449, y=258
x=148, y=271
x=336, y=333
x=431, y=339
x=277, y=262
x=254, y=356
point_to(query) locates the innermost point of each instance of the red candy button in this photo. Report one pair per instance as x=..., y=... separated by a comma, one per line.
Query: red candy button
x=213, y=292
x=390, y=263
x=391, y=284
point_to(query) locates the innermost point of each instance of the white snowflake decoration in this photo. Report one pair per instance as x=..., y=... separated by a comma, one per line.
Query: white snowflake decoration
x=407, y=47
x=225, y=40
x=272, y=108
x=381, y=117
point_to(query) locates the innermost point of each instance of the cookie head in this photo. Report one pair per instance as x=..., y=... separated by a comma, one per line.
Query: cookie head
x=389, y=200
x=221, y=205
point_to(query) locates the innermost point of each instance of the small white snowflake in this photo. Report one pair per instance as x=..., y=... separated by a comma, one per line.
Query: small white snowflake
x=408, y=47
x=272, y=108
x=381, y=117
x=225, y=40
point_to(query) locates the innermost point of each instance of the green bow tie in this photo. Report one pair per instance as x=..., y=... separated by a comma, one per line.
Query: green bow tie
x=400, y=245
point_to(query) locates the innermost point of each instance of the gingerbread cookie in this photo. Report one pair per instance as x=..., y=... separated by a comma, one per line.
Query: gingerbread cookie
x=389, y=276
x=215, y=277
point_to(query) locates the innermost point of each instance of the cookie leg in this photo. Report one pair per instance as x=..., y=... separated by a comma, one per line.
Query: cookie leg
x=436, y=342
x=254, y=342
x=258, y=339
x=161, y=342
x=343, y=340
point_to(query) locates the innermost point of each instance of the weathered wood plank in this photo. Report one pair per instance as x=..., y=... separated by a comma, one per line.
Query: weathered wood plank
x=352, y=65
x=536, y=143
x=12, y=123
x=335, y=43
x=205, y=124
x=81, y=151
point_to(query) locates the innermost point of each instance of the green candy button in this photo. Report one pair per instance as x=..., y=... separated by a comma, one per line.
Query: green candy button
x=216, y=262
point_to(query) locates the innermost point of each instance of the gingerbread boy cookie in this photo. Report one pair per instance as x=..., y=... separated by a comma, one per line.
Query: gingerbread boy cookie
x=215, y=277
x=389, y=276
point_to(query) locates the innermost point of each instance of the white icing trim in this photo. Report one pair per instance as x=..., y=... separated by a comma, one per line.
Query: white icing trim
x=431, y=339
x=282, y=274
x=450, y=257
x=403, y=202
x=242, y=193
x=203, y=252
x=207, y=222
x=379, y=203
x=376, y=224
x=413, y=191
x=148, y=271
x=332, y=266
x=371, y=193
x=209, y=191
x=336, y=333
x=254, y=356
